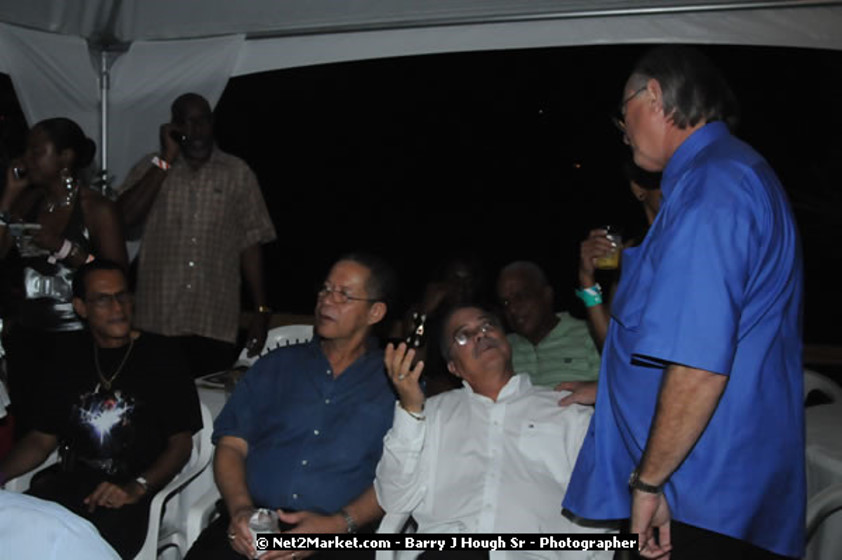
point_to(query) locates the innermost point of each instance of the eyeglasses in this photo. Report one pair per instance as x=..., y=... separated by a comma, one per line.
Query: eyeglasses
x=464, y=335
x=339, y=295
x=103, y=301
x=619, y=119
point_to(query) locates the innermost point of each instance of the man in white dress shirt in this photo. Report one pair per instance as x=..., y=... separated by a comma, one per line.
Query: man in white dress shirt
x=35, y=528
x=492, y=457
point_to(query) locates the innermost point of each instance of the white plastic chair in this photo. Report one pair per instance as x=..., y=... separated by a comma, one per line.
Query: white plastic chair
x=275, y=338
x=814, y=381
x=821, y=506
x=169, y=529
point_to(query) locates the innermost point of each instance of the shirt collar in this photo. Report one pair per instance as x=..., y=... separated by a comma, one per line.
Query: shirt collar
x=514, y=387
x=372, y=344
x=686, y=152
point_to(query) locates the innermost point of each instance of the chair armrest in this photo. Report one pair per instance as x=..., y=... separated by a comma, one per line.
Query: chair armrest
x=199, y=515
x=821, y=505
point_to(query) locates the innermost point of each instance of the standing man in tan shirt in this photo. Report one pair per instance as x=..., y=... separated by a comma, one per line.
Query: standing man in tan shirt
x=203, y=220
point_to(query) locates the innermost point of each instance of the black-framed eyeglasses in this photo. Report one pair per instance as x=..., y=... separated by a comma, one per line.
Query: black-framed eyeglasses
x=462, y=336
x=339, y=295
x=619, y=119
x=103, y=301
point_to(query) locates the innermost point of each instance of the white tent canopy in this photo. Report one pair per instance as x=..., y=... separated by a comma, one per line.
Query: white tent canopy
x=57, y=51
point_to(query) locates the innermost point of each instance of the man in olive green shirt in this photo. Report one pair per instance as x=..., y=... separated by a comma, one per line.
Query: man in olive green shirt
x=552, y=348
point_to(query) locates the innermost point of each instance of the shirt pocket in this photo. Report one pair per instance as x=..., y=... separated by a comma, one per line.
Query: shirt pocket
x=540, y=442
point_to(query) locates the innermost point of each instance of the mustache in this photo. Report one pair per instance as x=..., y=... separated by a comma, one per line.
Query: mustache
x=484, y=344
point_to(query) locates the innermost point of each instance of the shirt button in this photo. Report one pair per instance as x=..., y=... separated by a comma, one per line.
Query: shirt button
x=189, y=286
x=327, y=401
x=295, y=496
x=315, y=432
x=194, y=241
x=191, y=264
x=328, y=372
x=304, y=462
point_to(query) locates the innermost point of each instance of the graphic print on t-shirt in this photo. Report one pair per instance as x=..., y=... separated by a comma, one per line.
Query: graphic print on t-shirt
x=104, y=427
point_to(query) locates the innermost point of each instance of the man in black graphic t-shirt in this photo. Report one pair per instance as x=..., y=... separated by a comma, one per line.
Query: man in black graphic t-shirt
x=120, y=405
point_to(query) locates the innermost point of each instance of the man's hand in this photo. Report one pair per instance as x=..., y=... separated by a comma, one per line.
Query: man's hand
x=651, y=511
x=582, y=392
x=239, y=535
x=114, y=496
x=170, y=149
x=306, y=522
x=404, y=377
x=257, y=334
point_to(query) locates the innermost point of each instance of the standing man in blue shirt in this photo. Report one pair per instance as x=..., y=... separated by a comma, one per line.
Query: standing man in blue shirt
x=303, y=431
x=698, y=433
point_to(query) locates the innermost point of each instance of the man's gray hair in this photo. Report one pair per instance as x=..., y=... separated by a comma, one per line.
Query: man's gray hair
x=693, y=89
x=531, y=269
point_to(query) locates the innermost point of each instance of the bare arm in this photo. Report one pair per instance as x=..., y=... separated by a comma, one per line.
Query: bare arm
x=594, y=246
x=229, y=471
x=9, y=202
x=30, y=452
x=171, y=461
x=687, y=400
x=135, y=202
x=165, y=467
x=103, y=221
x=251, y=262
x=686, y=403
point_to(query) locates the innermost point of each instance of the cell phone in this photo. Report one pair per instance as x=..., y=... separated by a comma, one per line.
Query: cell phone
x=417, y=337
x=178, y=136
x=19, y=172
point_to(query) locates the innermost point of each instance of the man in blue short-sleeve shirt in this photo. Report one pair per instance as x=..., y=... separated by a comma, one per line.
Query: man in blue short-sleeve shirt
x=698, y=429
x=303, y=431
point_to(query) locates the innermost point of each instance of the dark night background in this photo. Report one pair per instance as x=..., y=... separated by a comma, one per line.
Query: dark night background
x=505, y=155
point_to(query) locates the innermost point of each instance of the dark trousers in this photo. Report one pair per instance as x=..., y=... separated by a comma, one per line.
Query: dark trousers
x=206, y=355
x=693, y=543
x=213, y=544
x=124, y=528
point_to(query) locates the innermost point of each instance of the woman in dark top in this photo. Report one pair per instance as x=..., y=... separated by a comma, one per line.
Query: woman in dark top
x=50, y=224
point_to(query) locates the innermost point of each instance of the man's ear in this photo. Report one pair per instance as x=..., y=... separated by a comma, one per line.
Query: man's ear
x=80, y=308
x=451, y=367
x=656, y=93
x=376, y=312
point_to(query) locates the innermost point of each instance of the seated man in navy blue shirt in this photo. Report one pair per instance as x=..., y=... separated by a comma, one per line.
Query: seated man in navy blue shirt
x=303, y=431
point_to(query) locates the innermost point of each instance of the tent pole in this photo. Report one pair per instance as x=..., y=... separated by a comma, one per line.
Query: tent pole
x=103, y=130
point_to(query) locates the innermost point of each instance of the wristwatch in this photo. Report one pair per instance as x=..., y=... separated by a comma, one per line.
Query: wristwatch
x=141, y=481
x=636, y=484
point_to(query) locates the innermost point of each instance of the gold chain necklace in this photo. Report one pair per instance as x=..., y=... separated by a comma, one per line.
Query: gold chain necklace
x=107, y=382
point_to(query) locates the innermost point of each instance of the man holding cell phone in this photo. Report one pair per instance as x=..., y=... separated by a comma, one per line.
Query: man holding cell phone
x=203, y=221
